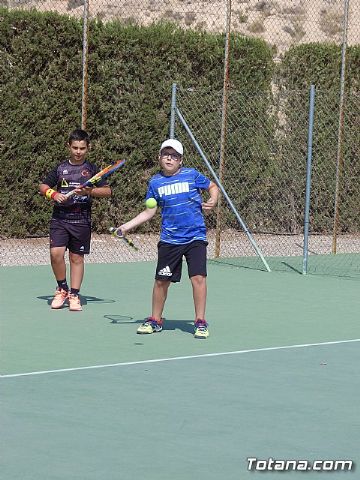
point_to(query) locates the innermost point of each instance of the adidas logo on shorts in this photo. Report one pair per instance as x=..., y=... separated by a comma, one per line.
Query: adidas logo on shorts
x=165, y=271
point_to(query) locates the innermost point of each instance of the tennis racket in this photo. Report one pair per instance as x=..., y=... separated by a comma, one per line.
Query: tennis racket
x=116, y=232
x=105, y=172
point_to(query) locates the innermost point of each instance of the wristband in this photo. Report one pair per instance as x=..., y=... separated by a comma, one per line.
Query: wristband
x=50, y=193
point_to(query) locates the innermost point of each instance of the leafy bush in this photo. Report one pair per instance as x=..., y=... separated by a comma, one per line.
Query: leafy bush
x=321, y=65
x=131, y=70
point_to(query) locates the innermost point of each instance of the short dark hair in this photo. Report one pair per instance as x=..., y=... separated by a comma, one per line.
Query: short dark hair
x=79, y=135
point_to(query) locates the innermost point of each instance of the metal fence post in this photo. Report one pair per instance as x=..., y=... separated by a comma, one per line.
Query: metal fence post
x=339, y=158
x=84, y=97
x=172, y=112
x=223, y=125
x=308, y=179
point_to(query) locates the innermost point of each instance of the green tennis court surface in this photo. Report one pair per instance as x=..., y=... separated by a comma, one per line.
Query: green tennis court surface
x=277, y=378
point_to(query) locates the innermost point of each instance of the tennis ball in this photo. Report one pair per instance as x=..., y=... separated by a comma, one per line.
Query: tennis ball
x=151, y=203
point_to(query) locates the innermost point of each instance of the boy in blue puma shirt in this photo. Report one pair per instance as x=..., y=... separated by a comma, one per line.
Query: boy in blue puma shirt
x=177, y=191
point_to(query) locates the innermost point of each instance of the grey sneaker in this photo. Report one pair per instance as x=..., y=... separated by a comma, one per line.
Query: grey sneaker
x=201, y=329
x=150, y=326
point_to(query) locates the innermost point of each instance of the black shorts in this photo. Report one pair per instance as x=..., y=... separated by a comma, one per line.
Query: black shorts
x=170, y=260
x=74, y=236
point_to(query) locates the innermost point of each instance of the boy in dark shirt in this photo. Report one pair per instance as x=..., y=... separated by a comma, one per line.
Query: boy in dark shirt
x=70, y=226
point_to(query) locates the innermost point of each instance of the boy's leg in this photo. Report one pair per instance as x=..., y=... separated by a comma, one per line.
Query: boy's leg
x=198, y=283
x=57, y=258
x=196, y=259
x=59, y=238
x=168, y=270
x=154, y=323
x=195, y=255
x=79, y=245
x=76, y=270
x=76, y=278
x=159, y=296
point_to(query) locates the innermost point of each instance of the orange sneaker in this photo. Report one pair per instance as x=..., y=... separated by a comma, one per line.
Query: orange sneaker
x=60, y=298
x=75, y=304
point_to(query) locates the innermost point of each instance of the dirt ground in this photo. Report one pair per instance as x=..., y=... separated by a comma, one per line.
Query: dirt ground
x=107, y=249
x=282, y=23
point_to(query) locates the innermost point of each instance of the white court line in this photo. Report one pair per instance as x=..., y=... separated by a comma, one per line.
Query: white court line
x=170, y=359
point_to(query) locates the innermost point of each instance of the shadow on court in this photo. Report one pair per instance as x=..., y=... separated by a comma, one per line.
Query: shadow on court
x=186, y=326
x=85, y=299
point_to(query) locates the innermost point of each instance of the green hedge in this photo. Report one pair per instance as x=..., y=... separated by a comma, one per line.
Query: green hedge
x=131, y=70
x=319, y=64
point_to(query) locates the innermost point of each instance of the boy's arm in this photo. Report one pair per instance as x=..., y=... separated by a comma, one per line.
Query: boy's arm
x=97, y=192
x=42, y=188
x=50, y=194
x=101, y=192
x=48, y=185
x=143, y=217
x=214, y=195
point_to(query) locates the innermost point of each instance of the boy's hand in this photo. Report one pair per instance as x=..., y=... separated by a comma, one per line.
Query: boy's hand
x=209, y=204
x=60, y=198
x=213, y=198
x=123, y=229
x=82, y=191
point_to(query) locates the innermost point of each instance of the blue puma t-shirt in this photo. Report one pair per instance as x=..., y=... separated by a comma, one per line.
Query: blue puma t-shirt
x=179, y=197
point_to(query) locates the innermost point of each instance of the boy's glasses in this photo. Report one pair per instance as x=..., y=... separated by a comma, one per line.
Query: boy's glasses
x=173, y=156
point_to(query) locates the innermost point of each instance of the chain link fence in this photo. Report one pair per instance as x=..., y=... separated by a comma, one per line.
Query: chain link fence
x=282, y=23
x=265, y=175
x=265, y=146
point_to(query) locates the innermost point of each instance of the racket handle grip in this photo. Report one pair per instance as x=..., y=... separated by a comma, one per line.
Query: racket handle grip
x=69, y=194
x=115, y=231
